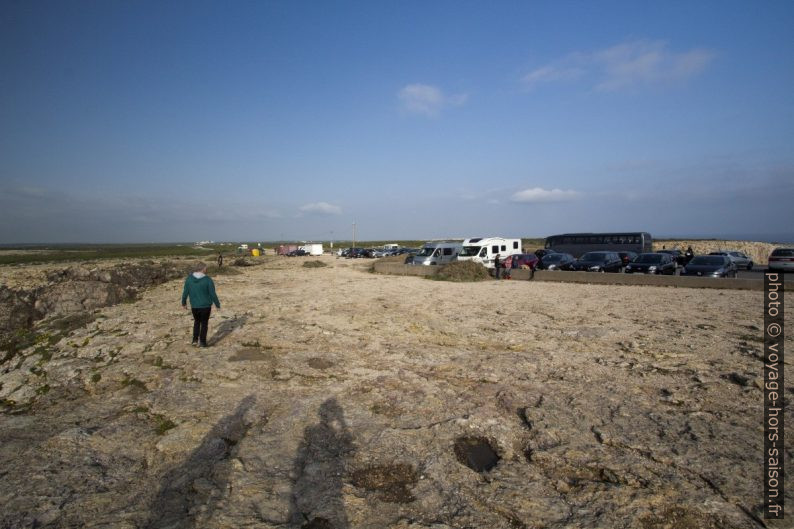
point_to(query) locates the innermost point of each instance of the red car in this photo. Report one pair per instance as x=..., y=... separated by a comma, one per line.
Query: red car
x=521, y=260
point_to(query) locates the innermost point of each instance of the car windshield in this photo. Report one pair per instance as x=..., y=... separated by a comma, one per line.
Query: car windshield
x=594, y=257
x=651, y=258
x=783, y=252
x=425, y=252
x=470, y=251
x=711, y=260
x=553, y=257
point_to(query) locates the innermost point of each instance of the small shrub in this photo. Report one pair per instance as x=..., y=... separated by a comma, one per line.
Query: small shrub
x=462, y=271
x=96, y=377
x=163, y=424
x=314, y=264
x=134, y=382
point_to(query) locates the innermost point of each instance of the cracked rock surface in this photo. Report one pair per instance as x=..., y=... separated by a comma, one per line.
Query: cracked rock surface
x=334, y=398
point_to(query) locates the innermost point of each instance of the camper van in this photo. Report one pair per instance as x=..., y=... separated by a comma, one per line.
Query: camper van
x=484, y=250
x=437, y=253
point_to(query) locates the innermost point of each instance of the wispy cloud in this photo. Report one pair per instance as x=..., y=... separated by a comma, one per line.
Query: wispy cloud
x=549, y=73
x=625, y=65
x=321, y=207
x=427, y=100
x=536, y=195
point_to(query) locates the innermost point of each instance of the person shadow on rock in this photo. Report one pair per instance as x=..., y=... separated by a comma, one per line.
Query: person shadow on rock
x=191, y=492
x=319, y=471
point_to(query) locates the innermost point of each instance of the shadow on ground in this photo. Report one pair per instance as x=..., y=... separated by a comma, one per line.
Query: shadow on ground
x=320, y=468
x=189, y=494
x=226, y=328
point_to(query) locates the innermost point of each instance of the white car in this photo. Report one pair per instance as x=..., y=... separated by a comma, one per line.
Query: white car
x=782, y=259
x=740, y=259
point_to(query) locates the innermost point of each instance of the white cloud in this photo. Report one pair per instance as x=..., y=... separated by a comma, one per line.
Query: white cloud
x=628, y=64
x=537, y=195
x=428, y=100
x=321, y=207
x=646, y=62
x=549, y=73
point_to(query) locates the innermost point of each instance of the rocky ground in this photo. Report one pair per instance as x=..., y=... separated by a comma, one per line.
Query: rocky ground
x=332, y=397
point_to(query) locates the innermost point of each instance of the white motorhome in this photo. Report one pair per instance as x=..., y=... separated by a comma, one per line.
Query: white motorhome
x=437, y=253
x=484, y=250
x=312, y=248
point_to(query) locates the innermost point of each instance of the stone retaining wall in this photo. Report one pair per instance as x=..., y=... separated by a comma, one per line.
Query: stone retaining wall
x=593, y=278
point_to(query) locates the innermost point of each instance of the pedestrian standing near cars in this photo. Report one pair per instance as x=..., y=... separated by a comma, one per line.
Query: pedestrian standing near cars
x=689, y=254
x=200, y=288
x=220, y=259
x=497, y=265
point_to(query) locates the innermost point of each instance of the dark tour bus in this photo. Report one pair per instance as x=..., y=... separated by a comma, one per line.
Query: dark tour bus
x=578, y=244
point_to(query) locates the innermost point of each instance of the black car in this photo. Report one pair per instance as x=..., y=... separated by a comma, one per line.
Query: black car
x=678, y=256
x=359, y=253
x=627, y=257
x=297, y=253
x=652, y=263
x=556, y=261
x=598, y=262
x=710, y=266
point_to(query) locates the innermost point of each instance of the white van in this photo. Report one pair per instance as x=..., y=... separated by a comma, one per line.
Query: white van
x=312, y=248
x=437, y=253
x=484, y=250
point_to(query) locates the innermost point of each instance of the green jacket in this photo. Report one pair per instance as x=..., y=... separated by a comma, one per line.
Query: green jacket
x=201, y=291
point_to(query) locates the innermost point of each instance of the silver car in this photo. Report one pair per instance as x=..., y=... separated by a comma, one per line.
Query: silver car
x=740, y=259
x=782, y=259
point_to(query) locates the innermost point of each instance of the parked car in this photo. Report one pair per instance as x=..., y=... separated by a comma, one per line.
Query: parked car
x=627, y=257
x=598, y=262
x=297, y=253
x=357, y=253
x=543, y=251
x=556, y=261
x=710, y=266
x=781, y=259
x=740, y=259
x=520, y=260
x=652, y=263
x=678, y=256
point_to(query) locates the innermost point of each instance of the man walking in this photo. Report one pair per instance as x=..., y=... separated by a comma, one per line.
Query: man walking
x=201, y=291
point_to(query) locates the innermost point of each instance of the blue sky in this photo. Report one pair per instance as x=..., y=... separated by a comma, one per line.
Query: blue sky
x=180, y=121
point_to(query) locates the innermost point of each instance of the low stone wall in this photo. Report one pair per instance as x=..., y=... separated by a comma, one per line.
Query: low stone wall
x=591, y=277
x=640, y=279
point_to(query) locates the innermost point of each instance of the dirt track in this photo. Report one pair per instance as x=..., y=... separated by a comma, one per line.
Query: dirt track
x=330, y=393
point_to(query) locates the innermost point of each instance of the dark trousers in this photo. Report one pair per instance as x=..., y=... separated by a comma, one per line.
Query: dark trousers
x=201, y=319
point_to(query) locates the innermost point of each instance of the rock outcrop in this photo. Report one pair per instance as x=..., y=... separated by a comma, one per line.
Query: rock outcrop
x=78, y=288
